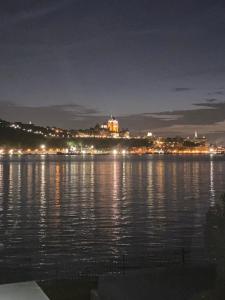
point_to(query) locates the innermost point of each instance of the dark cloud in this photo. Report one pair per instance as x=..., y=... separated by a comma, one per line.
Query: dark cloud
x=121, y=56
x=124, y=57
x=16, y=11
x=181, y=89
x=207, y=118
x=218, y=93
x=68, y=116
x=210, y=100
x=205, y=113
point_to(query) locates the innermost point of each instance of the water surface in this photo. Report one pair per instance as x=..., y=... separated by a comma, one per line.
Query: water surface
x=95, y=208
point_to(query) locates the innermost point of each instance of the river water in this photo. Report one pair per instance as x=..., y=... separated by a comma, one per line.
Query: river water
x=96, y=208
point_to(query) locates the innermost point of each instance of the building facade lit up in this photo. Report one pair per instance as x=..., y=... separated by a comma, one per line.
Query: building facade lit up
x=113, y=125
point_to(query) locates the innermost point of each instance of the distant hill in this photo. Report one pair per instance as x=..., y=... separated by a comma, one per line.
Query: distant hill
x=20, y=135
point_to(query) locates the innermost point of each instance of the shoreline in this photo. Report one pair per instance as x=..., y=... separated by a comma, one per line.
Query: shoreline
x=111, y=154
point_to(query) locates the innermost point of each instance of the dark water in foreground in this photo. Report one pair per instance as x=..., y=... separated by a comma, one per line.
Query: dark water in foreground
x=96, y=208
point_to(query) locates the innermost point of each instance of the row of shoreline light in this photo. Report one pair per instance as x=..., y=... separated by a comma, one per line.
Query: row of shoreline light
x=44, y=151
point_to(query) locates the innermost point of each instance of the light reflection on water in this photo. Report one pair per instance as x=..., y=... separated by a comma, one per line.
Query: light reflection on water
x=98, y=208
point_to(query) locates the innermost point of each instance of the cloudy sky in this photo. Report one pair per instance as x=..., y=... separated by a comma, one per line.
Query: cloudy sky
x=156, y=65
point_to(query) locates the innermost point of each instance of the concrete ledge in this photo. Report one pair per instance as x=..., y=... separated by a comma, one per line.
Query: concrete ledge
x=22, y=291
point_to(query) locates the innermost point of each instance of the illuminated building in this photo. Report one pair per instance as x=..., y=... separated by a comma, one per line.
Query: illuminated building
x=125, y=134
x=104, y=126
x=113, y=125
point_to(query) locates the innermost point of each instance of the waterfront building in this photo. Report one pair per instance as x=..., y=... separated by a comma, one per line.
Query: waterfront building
x=125, y=133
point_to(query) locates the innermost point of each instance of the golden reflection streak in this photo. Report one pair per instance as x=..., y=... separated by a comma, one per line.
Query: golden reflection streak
x=42, y=194
x=160, y=170
x=29, y=178
x=115, y=203
x=11, y=185
x=115, y=182
x=57, y=185
x=57, y=172
x=92, y=183
x=124, y=187
x=85, y=183
x=43, y=209
x=19, y=180
x=150, y=182
x=10, y=179
x=174, y=179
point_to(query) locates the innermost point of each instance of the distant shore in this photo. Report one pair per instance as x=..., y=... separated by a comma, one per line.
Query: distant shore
x=108, y=153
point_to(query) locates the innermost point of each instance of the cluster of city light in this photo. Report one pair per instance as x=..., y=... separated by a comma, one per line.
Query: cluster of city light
x=83, y=150
x=15, y=126
x=54, y=132
x=73, y=150
x=23, y=151
x=110, y=129
x=115, y=152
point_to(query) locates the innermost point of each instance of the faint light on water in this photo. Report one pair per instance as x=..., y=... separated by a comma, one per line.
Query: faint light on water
x=42, y=192
x=212, y=188
x=57, y=186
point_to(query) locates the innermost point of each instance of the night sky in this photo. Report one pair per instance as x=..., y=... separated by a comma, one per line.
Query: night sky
x=156, y=65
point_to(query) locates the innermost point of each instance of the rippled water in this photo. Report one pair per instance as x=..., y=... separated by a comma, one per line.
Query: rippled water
x=100, y=207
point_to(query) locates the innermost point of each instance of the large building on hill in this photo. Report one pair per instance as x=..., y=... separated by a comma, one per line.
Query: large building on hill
x=112, y=129
x=113, y=125
x=109, y=129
